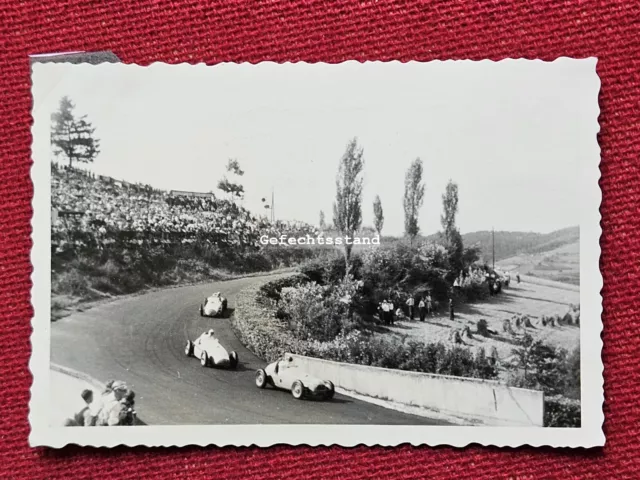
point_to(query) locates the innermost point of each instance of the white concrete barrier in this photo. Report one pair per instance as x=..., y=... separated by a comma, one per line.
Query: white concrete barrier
x=482, y=401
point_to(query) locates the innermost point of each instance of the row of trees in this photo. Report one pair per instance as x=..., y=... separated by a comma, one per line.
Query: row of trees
x=347, y=208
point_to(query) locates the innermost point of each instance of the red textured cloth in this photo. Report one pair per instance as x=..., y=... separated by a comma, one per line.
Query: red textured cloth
x=192, y=31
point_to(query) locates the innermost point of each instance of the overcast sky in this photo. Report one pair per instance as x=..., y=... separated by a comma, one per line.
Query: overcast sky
x=511, y=134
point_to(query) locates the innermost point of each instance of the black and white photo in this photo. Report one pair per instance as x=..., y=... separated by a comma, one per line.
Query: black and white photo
x=360, y=253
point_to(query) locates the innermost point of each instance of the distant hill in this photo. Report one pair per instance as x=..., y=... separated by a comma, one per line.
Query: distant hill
x=554, y=256
x=509, y=244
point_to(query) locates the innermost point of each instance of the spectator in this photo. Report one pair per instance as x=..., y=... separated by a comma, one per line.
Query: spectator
x=85, y=417
x=451, y=314
x=429, y=304
x=422, y=308
x=385, y=312
x=410, y=305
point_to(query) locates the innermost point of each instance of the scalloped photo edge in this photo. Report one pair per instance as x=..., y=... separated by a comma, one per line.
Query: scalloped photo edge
x=175, y=127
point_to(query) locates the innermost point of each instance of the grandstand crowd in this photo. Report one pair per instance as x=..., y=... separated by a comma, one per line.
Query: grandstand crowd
x=92, y=210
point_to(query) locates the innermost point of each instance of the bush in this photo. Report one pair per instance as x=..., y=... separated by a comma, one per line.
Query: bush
x=474, y=287
x=563, y=412
x=272, y=290
x=331, y=268
x=257, y=327
x=316, y=312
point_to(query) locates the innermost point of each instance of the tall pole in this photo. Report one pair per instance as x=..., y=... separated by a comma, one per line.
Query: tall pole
x=493, y=246
x=273, y=215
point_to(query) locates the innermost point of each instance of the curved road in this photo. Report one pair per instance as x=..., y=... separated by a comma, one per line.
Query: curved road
x=141, y=340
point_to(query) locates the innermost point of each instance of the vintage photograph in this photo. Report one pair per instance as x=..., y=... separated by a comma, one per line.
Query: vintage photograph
x=359, y=253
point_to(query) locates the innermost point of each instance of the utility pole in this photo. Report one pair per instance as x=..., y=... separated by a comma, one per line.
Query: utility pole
x=493, y=246
x=273, y=215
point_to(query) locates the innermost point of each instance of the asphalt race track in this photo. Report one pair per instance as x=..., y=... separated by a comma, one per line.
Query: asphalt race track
x=141, y=340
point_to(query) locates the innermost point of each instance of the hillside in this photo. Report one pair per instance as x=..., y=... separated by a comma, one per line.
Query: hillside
x=510, y=244
x=553, y=256
x=561, y=264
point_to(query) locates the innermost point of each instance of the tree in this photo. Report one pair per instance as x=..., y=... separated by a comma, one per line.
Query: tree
x=71, y=137
x=322, y=223
x=449, y=209
x=378, y=214
x=413, y=197
x=235, y=190
x=452, y=236
x=347, y=209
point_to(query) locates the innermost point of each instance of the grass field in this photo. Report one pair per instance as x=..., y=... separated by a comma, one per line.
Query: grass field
x=560, y=264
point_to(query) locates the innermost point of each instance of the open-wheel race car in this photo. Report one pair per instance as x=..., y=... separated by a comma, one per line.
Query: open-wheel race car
x=213, y=306
x=286, y=375
x=210, y=352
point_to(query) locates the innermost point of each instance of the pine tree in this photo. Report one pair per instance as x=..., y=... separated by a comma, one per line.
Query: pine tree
x=234, y=190
x=73, y=138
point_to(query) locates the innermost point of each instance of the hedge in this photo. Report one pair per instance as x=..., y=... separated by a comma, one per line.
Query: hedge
x=562, y=412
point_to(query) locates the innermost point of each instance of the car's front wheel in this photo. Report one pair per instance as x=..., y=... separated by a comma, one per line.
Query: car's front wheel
x=261, y=378
x=297, y=390
x=188, y=350
x=201, y=310
x=233, y=359
x=204, y=359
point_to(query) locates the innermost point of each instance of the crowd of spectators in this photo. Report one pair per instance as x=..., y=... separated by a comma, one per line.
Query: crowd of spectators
x=88, y=208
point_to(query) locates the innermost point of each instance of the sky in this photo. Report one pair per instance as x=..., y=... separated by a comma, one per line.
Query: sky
x=513, y=134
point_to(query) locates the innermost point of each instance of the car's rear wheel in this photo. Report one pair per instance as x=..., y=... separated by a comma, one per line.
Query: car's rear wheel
x=233, y=359
x=331, y=391
x=261, y=378
x=204, y=359
x=297, y=390
x=188, y=350
x=201, y=310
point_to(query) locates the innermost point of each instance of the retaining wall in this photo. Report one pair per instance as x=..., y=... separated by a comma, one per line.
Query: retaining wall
x=482, y=401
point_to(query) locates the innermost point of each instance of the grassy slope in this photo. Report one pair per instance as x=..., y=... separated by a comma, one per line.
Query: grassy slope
x=562, y=264
x=532, y=299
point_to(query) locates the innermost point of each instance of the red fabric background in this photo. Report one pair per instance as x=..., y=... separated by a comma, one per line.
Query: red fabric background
x=144, y=31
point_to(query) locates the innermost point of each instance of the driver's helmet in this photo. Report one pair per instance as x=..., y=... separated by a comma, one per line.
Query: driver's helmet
x=210, y=332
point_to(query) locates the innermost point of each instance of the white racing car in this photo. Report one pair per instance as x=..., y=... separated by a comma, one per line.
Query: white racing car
x=286, y=375
x=213, y=306
x=210, y=352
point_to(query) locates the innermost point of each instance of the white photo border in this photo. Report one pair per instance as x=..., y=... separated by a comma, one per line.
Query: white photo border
x=590, y=434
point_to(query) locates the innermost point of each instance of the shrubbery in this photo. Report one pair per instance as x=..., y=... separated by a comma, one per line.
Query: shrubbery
x=474, y=287
x=258, y=327
x=273, y=290
x=560, y=411
x=393, y=272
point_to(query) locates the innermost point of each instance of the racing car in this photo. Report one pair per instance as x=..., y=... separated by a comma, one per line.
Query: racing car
x=213, y=306
x=210, y=352
x=286, y=375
